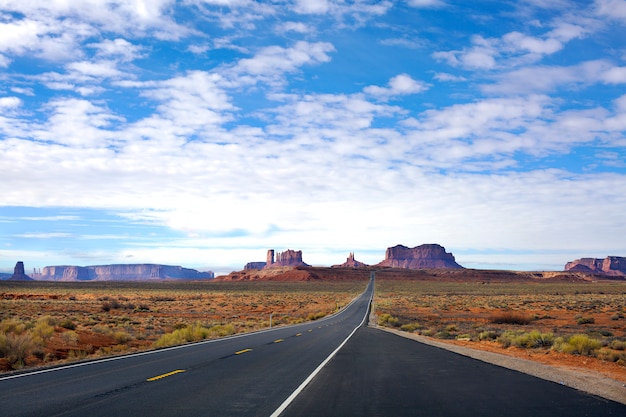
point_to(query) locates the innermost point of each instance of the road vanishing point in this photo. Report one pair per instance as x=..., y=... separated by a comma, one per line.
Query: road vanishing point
x=336, y=366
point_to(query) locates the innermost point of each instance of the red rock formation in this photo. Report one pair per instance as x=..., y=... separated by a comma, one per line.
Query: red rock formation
x=19, y=274
x=351, y=263
x=611, y=265
x=286, y=258
x=429, y=256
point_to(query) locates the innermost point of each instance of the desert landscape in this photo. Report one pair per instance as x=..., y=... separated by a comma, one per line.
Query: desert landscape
x=46, y=322
x=573, y=318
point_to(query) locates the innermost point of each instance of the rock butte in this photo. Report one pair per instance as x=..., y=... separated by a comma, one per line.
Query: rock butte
x=611, y=265
x=428, y=256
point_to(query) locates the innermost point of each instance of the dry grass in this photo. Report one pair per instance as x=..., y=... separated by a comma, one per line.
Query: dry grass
x=103, y=318
x=581, y=318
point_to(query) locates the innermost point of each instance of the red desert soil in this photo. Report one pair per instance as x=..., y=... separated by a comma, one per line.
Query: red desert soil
x=112, y=318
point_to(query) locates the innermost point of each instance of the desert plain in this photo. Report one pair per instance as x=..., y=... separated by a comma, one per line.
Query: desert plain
x=572, y=320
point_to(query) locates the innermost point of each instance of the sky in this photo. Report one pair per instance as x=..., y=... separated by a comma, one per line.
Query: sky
x=203, y=132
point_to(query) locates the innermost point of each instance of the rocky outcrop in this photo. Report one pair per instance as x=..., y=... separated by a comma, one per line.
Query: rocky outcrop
x=429, y=256
x=121, y=272
x=287, y=258
x=254, y=265
x=351, y=263
x=611, y=265
x=19, y=274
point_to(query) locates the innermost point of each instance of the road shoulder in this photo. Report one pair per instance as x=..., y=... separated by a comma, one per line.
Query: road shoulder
x=589, y=382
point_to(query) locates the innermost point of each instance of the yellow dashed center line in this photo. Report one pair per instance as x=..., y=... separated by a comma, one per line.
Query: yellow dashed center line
x=155, y=378
x=298, y=334
x=278, y=340
x=310, y=330
x=243, y=351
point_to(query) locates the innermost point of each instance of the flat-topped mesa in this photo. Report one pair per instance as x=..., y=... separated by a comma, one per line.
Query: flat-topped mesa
x=351, y=263
x=286, y=258
x=120, y=272
x=611, y=265
x=428, y=256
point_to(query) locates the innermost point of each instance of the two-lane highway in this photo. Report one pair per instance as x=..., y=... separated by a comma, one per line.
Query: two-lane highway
x=244, y=375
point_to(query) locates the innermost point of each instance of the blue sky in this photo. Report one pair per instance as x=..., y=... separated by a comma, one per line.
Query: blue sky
x=203, y=132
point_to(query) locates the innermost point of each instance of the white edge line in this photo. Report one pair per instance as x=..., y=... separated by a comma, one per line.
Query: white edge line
x=317, y=370
x=151, y=352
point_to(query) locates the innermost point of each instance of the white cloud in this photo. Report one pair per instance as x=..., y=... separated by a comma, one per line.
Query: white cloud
x=401, y=84
x=513, y=49
x=611, y=8
x=442, y=76
x=615, y=75
x=533, y=79
x=517, y=40
x=78, y=123
x=311, y=6
x=270, y=64
x=118, y=49
x=426, y=3
x=85, y=70
x=297, y=27
x=8, y=103
x=24, y=91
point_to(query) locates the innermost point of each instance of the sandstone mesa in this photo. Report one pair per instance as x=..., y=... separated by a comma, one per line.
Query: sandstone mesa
x=611, y=265
x=119, y=272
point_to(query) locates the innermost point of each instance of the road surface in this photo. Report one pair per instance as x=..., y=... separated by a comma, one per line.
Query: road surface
x=247, y=375
x=381, y=374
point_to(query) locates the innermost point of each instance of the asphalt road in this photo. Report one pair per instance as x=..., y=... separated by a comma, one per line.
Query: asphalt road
x=247, y=375
x=373, y=373
x=380, y=374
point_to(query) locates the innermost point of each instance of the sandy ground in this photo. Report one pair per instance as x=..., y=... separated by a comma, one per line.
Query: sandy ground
x=584, y=380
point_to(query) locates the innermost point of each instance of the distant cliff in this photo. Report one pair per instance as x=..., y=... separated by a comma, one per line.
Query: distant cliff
x=429, y=256
x=611, y=265
x=121, y=272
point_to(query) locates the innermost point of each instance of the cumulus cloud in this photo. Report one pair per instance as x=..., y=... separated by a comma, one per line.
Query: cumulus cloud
x=399, y=85
x=270, y=64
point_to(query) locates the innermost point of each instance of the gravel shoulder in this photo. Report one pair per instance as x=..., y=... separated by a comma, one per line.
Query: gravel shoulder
x=589, y=382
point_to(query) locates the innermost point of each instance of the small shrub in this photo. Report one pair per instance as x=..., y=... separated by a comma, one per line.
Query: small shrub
x=315, y=316
x=532, y=339
x=70, y=337
x=610, y=355
x=194, y=333
x=452, y=328
x=12, y=326
x=42, y=331
x=511, y=318
x=618, y=345
x=444, y=334
x=122, y=337
x=15, y=348
x=536, y=339
x=410, y=327
x=388, y=320
x=585, y=320
x=579, y=344
x=68, y=324
x=488, y=335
